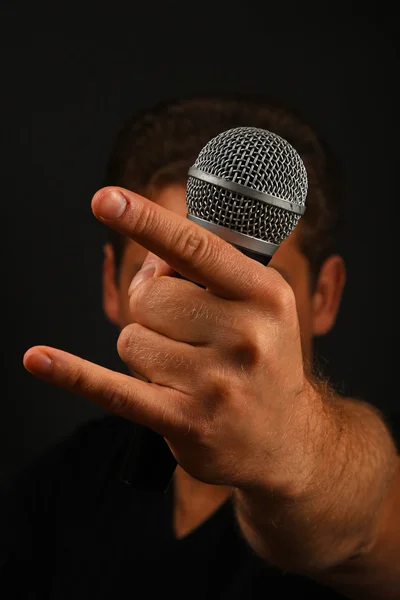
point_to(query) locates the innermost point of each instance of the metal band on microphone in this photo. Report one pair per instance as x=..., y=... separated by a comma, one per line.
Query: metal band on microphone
x=243, y=190
x=236, y=238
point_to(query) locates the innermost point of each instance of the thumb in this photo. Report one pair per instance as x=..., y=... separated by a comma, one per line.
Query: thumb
x=152, y=266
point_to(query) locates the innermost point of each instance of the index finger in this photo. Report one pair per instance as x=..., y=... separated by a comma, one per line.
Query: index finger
x=191, y=250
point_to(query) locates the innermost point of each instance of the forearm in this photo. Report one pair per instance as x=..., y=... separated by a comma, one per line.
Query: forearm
x=339, y=524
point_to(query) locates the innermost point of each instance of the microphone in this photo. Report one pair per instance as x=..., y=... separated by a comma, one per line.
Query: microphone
x=248, y=186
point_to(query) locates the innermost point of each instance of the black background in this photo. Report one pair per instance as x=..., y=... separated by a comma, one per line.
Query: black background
x=70, y=75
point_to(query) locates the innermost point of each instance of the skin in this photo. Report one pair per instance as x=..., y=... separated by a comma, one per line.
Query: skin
x=196, y=500
x=314, y=477
x=316, y=312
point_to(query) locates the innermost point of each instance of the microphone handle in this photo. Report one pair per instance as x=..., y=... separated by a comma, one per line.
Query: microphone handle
x=149, y=463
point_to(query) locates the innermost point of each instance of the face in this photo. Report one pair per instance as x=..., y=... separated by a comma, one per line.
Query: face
x=316, y=310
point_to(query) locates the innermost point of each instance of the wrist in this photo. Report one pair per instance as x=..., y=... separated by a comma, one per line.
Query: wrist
x=313, y=517
x=299, y=469
x=324, y=442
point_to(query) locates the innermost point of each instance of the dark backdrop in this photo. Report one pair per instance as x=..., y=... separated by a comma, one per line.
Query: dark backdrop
x=71, y=75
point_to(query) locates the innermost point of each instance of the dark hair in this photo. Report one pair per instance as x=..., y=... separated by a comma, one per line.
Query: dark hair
x=157, y=146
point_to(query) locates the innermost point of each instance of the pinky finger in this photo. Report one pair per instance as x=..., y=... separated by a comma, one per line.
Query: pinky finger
x=139, y=401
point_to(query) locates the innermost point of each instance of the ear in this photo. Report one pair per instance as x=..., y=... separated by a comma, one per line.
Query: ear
x=327, y=295
x=111, y=305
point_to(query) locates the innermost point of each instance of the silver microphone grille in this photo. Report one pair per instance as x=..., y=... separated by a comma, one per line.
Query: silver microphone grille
x=250, y=181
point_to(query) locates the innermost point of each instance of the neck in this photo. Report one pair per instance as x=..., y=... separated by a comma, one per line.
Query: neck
x=194, y=501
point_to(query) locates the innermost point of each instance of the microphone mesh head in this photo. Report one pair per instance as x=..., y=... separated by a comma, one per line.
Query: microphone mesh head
x=261, y=161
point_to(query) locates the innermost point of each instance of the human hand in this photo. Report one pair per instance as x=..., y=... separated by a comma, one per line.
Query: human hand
x=226, y=384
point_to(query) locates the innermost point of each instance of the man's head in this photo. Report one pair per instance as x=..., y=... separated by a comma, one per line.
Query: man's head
x=152, y=155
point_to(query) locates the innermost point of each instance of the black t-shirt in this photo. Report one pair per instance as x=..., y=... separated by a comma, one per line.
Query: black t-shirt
x=71, y=528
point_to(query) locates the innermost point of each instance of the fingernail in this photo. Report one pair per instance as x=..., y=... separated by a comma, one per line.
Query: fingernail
x=141, y=276
x=111, y=206
x=38, y=363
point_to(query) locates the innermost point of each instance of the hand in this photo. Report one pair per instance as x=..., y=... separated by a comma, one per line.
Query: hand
x=226, y=382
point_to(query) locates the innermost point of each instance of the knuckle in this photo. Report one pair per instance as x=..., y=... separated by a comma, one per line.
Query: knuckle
x=219, y=400
x=192, y=245
x=248, y=349
x=128, y=339
x=146, y=219
x=204, y=430
x=283, y=301
x=219, y=388
x=140, y=297
x=148, y=296
x=118, y=400
x=77, y=381
x=202, y=423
